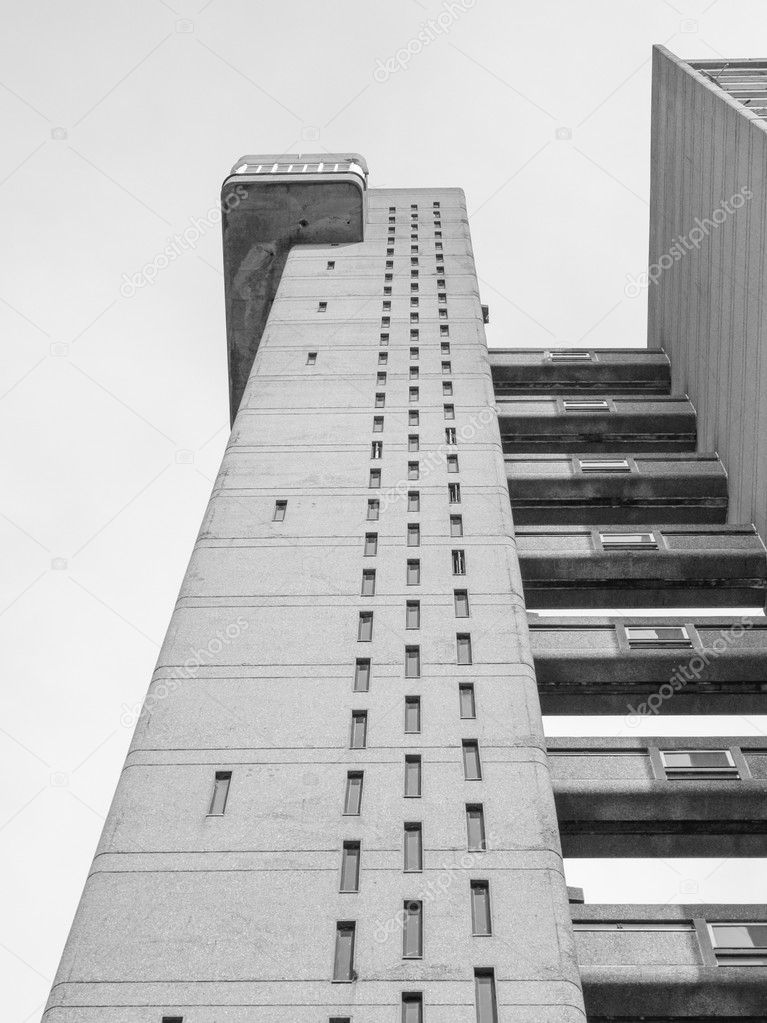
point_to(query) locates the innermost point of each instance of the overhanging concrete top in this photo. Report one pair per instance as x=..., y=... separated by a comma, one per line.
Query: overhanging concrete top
x=270, y=203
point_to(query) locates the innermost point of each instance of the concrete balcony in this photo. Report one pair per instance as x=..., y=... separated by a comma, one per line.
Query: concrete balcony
x=661, y=797
x=596, y=370
x=658, y=566
x=574, y=423
x=670, y=962
x=616, y=489
x=599, y=666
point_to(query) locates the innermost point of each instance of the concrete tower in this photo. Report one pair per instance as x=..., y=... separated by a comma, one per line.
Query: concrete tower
x=339, y=803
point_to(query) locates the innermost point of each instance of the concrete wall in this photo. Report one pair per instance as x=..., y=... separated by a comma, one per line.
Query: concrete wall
x=232, y=918
x=707, y=309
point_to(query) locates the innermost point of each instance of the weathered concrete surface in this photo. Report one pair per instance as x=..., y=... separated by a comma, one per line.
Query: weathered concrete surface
x=606, y=371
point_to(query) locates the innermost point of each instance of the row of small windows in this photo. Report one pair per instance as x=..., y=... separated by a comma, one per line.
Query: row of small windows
x=413, y=505
x=448, y=408
x=457, y=556
x=413, y=653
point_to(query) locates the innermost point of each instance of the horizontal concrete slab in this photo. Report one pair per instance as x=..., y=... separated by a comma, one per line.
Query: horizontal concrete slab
x=597, y=370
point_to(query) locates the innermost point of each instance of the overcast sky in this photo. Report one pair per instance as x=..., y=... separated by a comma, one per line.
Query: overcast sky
x=120, y=121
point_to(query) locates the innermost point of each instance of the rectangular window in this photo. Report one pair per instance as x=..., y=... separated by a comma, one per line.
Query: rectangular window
x=447, y=388
x=362, y=675
x=413, y=847
x=412, y=442
x=380, y=400
x=413, y=614
x=368, y=582
x=604, y=465
x=472, y=769
x=386, y=321
x=456, y=524
x=383, y=338
x=381, y=378
x=413, y=572
x=413, y=417
x=590, y=405
x=466, y=703
x=412, y=1007
x=454, y=497
x=452, y=463
x=412, y=777
x=280, y=508
x=461, y=601
x=701, y=763
x=413, y=372
x=475, y=827
x=413, y=500
x=343, y=964
x=459, y=562
x=413, y=395
x=413, y=534
x=624, y=541
x=463, y=647
x=311, y=359
x=376, y=449
x=739, y=944
x=383, y=358
x=365, y=627
x=445, y=347
x=331, y=264
x=221, y=783
x=570, y=355
x=350, y=867
x=412, y=714
x=414, y=352
x=412, y=662
x=674, y=635
x=378, y=424
x=412, y=930
x=442, y=297
x=322, y=307
x=374, y=482
x=450, y=437
x=359, y=733
x=371, y=544
x=412, y=470
x=449, y=411
x=373, y=509
x=353, y=794
x=480, y=908
x=446, y=368
x=484, y=995
x=414, y=333
x=387, y=306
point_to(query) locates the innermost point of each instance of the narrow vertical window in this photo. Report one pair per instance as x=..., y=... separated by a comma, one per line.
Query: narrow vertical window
x=362, y=675
x=280, y=508
x=413, y=614
x=484, y=994
x=368, y=582
x=414, y=352
x=343, y=965
x=221, y=782
x=456, y=525
x=461, y=601
x=413, y=534
x=475, y=827
x=365, y=627
x=472, y=769
x=376, y=449
x=371, y=543
x=380, y=400
x=378, y=424
x=322, y=307
x=311, y=358
x=413, y=501
x=459, y=562
x=412, y=442
x=331, y=264
x=412, y=930
x=412, y=1007
x=454, y=496
x=413, y=417
x=383, y=358
x=373, y=510
x=353, y=794
x=452, y=463
x=413, y=372
x=444, y=347
x=350, y=867
x=413, y=714
x=413, y=572
x=412, y=470
x=412, y=662
x=466, y=700
x=375, y=479
x=447, y=388
x=413, y=395
x=447, y=367
x=381, y=377
x=480, y=908
x=359, y=732
x=412, y=776
x=449, y=411
x=413, y=847
x=450, y=435
x=463, y=647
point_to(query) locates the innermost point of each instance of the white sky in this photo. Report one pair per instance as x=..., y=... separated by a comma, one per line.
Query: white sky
x=120, y=120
